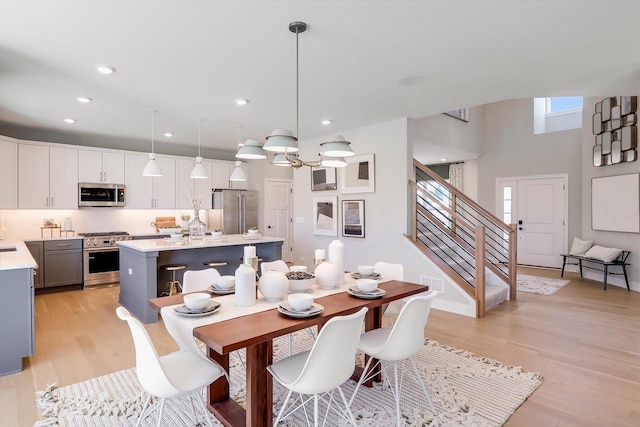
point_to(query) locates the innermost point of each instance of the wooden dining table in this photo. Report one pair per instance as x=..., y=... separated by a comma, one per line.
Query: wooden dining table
x=255, y=333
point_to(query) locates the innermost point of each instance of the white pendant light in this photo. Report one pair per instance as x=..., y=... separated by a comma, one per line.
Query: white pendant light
x=337, y=146
x=333, y=162
x=152, y=168
x=251, y=150
x=199, y=172
x=238, y=174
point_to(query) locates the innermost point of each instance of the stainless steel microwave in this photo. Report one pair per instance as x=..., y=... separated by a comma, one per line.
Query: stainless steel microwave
x=100, y=195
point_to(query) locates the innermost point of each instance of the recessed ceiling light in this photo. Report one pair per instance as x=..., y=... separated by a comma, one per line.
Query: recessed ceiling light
x=326, y=122
x=443, y=160
x=168, y=134
x=411, y=81
x=69, y=121
x=84, y=99
x=105, y=69
x=241, y=101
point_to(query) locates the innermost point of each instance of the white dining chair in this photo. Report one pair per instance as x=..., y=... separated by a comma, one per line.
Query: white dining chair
x=199, y=280
x=173, y=375
x=277, y=265
x=389, y=271
x=320, y=371
x=397, y=345
x=194, y=281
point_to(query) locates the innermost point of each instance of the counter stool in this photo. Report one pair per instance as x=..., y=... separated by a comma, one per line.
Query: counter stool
x=169, y=288
x=215, y=264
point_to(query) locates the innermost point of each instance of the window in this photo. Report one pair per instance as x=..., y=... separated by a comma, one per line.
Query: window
x=563, y=104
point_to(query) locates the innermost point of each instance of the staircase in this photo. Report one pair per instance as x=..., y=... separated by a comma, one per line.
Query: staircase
x=469, y=244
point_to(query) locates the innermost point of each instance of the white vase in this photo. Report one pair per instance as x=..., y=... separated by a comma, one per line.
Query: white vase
x=336, y=257
x=327, y=275
x=273, y=285
x=245, y=286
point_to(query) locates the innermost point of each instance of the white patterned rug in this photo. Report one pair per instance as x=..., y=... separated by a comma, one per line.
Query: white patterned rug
x=466, y=391
x=540, y=285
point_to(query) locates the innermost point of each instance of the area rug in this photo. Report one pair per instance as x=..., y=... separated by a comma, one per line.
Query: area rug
x=466, y=390
x=540, y=285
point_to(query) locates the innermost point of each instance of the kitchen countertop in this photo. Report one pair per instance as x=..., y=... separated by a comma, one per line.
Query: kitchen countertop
x=153, y=245
x=15, y=259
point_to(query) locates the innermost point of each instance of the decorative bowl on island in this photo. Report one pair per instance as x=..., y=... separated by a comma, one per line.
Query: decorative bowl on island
x=252, y=232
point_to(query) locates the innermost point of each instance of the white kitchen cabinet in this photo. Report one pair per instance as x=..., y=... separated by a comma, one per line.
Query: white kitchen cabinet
x=8, y=175
x=222, y=170
x=100, y=166
x=144, y=192
x=188, y=188
x=47, y=177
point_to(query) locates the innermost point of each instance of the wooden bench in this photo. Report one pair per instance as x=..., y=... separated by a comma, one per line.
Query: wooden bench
x=620, y=261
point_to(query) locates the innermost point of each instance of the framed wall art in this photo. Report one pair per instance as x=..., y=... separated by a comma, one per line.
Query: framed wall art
x=325, y=216
x=323, y=178
x=353, y=218
x=359, y=175
x=615, y=203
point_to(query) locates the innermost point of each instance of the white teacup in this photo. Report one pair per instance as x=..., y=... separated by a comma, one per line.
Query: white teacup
x=197, y=301
x=226, y=282
x=365, y=270
x=302, y=268
x=367, y=285
x=300, y=302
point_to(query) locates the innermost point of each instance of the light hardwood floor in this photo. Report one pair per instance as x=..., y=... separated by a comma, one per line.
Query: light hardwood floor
x=585, y=341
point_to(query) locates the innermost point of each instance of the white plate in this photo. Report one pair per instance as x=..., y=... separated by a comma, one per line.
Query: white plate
x=219, y=291
x=286, y=309
x=354, y=291
x=183, y=310
x=375, y=276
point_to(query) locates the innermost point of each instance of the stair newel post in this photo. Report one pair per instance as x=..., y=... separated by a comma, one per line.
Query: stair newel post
x=513, y=261
x=414, y=212
x=480, y=276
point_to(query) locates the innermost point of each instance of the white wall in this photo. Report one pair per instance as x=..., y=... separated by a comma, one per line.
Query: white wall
x=510, y=149
x=626, y=241
x=385, y=209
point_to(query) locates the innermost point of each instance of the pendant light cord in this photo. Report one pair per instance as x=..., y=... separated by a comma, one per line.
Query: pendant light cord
x=199, y=123
x=297, y=89
x=152, y=114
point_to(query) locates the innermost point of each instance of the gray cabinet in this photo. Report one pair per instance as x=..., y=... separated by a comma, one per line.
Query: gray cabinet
x=37, y=252
x=16, y=318
x=62, y=262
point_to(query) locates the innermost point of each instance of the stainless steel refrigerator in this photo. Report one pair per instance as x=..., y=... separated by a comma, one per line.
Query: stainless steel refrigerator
x=234, y=211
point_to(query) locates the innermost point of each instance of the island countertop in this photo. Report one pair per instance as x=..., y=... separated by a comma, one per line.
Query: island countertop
x=14, y=255
x=161, y=245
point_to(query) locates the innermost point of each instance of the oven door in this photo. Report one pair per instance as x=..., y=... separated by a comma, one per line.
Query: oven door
x=101, y=266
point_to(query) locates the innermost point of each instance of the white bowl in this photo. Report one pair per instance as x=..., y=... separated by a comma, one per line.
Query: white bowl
x=176, y=235
x=365, y=270
x=367, y=285
x=300, y=302
x=226, y=282
x=252, y=232
x=196, y=301
x=302, y=268
x=301, y=285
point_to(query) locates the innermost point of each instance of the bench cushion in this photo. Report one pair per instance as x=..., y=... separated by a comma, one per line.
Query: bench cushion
x=603, y=254
x=579, y=246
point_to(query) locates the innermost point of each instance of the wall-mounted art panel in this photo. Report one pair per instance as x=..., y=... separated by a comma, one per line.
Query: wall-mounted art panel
x=615, y=203
x=614, y=125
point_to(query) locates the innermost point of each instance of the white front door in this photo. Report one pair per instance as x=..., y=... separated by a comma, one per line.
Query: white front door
x=278, y=214
x=538, y=206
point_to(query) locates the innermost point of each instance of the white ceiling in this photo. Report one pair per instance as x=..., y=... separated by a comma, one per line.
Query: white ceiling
x=193, y=58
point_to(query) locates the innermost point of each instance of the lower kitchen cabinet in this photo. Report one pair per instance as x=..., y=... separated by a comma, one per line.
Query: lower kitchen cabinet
x=59, y=262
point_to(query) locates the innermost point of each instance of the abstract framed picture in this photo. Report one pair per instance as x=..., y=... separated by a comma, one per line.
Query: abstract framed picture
x=325, y=216
x=353, y=218
x=323, y=178
x=359, y=175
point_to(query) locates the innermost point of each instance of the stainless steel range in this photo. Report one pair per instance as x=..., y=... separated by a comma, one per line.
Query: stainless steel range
x=102, y=257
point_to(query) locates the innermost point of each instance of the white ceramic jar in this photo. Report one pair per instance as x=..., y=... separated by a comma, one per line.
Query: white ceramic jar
x=245, y=286
x=336, y=257
x=273, y=285
x=327, y=275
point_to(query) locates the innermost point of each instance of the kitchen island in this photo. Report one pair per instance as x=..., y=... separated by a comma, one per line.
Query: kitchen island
x=16, y=306
x=140, y=260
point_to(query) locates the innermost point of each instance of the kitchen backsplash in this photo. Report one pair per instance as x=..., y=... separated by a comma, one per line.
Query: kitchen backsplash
x=24, y=224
